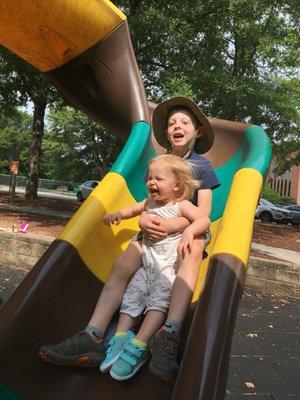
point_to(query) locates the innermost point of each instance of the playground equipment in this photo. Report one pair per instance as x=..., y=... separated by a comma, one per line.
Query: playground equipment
x=85, y=49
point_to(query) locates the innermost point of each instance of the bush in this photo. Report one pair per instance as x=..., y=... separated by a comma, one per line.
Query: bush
x=271, y=195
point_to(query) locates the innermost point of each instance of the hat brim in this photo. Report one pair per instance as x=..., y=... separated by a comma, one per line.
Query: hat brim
x=160, y=119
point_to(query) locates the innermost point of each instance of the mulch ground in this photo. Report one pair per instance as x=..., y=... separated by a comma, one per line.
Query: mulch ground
x=275, y=235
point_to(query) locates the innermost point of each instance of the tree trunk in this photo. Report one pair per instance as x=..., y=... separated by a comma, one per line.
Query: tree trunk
x=35, y=149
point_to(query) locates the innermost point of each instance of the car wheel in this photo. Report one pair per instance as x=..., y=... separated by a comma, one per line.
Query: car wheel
x=266, y=217
x=79, y=196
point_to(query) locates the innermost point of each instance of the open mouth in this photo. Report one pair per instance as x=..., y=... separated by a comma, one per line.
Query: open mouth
x=153, y=191
x=178, y=135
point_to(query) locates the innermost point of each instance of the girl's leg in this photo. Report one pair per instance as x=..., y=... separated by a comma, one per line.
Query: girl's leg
x=126, y=322
x=135, y=352
x=153, y=321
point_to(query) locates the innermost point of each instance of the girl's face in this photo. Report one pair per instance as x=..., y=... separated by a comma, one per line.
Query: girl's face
x=181, y=131
x=161, y=183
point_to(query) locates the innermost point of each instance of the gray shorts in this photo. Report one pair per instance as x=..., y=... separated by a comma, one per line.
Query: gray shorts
x=146, y=292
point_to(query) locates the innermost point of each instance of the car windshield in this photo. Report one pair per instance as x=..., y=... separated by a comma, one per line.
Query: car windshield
x=265, y=202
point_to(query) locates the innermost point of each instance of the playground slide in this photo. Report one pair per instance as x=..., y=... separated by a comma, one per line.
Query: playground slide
x=85, y=58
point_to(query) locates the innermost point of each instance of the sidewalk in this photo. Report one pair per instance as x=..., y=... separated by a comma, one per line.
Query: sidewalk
x=265, y=353
x=282, y=254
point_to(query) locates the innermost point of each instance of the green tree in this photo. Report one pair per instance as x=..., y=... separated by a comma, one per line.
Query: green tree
x=20, y=84
x=15, y=129
x=75, y=148
x=238, y=59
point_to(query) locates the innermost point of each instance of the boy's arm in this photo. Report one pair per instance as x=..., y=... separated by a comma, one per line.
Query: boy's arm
x=204, y=200
x=125, y=213
x=200, y=222
x=158, y=228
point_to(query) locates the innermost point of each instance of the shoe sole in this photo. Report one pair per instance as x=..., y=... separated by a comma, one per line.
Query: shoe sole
x=161, y=375
x=85, y=360
x=123, y=378
x=105, y=367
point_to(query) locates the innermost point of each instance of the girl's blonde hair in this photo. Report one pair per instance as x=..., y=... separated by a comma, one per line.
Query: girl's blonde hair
x=183, y=172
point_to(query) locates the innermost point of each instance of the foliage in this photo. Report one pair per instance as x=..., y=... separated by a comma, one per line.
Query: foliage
x=75, y=148
x=238, y=59
x=271, y=195
x=15, y=128
x=21, y=83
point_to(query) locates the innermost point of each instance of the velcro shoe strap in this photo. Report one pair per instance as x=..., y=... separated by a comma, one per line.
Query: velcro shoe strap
x=130, y=360
x=132, y=349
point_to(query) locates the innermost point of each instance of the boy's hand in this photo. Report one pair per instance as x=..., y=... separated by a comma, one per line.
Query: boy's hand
x=114, y=218
x=185, y=243
x=152, y=226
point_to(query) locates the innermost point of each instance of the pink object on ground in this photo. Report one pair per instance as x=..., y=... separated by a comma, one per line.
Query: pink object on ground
x=23, y=226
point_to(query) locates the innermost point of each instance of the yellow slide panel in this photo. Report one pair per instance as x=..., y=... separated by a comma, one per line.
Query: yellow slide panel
x=205, y=263
x=235, y=231
x=97, y=244
x=49, y=33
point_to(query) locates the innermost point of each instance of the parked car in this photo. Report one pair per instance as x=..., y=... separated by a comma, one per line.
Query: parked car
x=295, y=212
x=268, y=212
x=85, y=189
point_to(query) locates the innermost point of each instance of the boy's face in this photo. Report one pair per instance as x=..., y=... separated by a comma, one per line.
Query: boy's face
x=181, y=131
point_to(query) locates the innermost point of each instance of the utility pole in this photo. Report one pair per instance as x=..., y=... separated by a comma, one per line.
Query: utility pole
x=13, y=158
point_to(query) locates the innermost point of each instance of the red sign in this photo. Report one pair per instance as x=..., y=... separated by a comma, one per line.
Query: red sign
x=14, y=167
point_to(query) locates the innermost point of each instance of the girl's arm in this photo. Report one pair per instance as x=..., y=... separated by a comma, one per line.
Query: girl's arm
x=125, y=213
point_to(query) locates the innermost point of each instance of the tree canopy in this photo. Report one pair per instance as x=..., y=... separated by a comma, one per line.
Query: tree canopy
x=238, y=60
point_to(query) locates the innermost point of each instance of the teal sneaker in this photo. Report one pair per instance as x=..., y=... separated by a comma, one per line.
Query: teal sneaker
x=129, y=362
x=114, y=349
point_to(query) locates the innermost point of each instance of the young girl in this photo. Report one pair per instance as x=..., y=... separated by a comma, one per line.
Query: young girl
x=182, y=128
x=170, y=183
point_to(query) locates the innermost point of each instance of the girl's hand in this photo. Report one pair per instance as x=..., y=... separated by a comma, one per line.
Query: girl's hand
x=185, y=243
x=152, y=226
x=114, y=218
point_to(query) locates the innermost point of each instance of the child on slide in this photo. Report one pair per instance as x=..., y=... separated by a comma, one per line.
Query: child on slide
x=181, y=127
x=170, y=185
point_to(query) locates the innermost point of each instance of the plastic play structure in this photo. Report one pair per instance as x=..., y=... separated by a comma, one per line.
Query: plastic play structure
x=84, y=47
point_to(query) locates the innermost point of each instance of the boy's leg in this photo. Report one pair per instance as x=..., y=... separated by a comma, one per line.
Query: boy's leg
x=86, y=348
x=111, y=296
x=164, y=344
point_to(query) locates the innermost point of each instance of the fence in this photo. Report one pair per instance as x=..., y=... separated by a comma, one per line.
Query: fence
x=281, y=184
x=43, y=184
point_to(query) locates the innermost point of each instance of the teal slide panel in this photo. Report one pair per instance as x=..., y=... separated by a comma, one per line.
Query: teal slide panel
x=133, y=160
x=254, y=152
x=7, y=394
x=132, y=163
x=259, y=152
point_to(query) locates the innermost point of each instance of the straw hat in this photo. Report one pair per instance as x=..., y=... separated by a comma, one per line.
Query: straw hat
x=160, y=119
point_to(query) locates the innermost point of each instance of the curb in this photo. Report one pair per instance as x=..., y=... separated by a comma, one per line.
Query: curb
x=275, y=277
x=20, y=250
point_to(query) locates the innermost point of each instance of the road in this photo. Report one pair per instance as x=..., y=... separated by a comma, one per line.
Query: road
x=44, y=193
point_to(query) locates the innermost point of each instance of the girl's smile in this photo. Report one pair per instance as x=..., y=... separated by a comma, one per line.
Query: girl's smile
x=162, y=184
